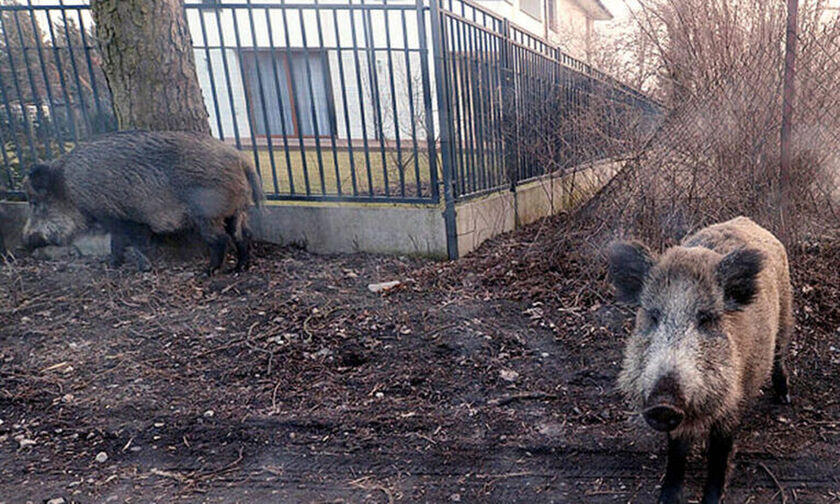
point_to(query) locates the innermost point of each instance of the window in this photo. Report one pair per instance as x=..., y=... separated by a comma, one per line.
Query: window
x=531, y=7
x=551, y=7
x=304, y=103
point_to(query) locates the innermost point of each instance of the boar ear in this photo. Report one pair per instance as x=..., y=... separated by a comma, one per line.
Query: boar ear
x=737, y=273
x=629, y=263
x=43, y=179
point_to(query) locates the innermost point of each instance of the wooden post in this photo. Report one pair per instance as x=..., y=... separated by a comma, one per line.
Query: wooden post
x=783, y=189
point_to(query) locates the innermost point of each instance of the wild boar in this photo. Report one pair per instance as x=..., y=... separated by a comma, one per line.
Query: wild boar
x=713, y=323
x=132, y=183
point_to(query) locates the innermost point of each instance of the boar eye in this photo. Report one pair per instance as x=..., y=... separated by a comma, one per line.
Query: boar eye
x=654, y=315
x=706, y=318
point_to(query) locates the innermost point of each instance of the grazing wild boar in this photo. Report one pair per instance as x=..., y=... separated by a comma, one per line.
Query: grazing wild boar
x=135, y=182
x=713, y=323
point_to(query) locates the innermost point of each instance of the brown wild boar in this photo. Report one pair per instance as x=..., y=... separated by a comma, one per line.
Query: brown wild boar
x=713, y=322
x=135, y=182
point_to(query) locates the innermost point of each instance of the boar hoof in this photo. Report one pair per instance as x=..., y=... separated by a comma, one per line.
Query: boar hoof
x=783, y=399
x=143, y=264
x=672, y=496
x=140, y=259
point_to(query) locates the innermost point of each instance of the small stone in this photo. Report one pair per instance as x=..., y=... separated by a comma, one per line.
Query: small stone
x=101, y=457
x=57, y=500
x=24, y=442
x=383, y=286
x=455, y=497
x=209, y=414
x=379, y=395
x=508, y=375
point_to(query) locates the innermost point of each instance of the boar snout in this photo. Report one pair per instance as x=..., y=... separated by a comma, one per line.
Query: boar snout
x=34, y=241
x=664, y=407
x=664, y=417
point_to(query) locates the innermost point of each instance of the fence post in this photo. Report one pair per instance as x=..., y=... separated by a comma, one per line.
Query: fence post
x=787, y=113
x=444, y=107
x=510, y=125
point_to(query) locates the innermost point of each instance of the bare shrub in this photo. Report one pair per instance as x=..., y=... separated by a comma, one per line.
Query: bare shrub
x=716, y=155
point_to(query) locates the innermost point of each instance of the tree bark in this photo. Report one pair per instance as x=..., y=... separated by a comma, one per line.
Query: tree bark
x=149, y=64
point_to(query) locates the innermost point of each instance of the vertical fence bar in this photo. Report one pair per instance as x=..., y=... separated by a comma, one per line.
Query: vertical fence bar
x=345, y=109
x=210, y=72
x=375, y=96
x=325, y=61
x=293, y=89
x=456, y=78
x=411, y=111
x=82, y=103
x=86, y=49
x=39, y=111
x=47, y=87
x=361, y=93
x=441, y=82
x=228, y=82
x=312, y=109
x=7, y=165
x=68, y=107
x=21, y=99
x=264, y=105
x=248, y=104
x=389, y=52
x=277, y=92
x=425, y=64
x=5, y=97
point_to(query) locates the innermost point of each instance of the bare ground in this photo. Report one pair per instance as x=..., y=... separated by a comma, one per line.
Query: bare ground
x=490, y=379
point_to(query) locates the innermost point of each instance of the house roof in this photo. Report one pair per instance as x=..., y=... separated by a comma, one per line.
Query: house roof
x=595, y=9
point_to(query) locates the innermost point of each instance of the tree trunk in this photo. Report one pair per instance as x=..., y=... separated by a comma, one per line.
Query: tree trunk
x=148, y=61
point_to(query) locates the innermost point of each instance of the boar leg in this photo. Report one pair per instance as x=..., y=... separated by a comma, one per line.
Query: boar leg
x=212, y=233
x=125, y=234
x=781, y=384
x=241, y=235
x=672, y=485
x=720, y=446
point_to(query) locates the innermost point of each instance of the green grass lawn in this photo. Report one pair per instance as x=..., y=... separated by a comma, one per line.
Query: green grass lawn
x=338, y=171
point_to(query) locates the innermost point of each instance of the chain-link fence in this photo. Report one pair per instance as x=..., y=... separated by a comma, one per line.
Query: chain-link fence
x=718, y=153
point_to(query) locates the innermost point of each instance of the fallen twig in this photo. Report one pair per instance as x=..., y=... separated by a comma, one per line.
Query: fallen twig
x=776, y=481
x=365, y=484
x=501, y=401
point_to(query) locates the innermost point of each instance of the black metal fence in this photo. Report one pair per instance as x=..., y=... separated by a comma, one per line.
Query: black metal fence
x=387, y=101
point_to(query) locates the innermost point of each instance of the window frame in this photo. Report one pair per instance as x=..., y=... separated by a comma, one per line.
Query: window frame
x=285, y=54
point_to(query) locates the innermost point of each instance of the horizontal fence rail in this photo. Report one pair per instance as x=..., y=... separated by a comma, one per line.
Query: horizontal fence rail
x=353, y=100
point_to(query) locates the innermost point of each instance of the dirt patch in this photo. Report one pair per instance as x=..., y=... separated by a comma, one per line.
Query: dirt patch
x=490, y=379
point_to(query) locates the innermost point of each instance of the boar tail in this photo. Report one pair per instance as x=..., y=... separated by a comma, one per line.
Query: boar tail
x=255, y=183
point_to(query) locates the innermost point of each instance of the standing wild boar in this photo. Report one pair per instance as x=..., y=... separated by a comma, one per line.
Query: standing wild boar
x=135, y=182
x=713, y=323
